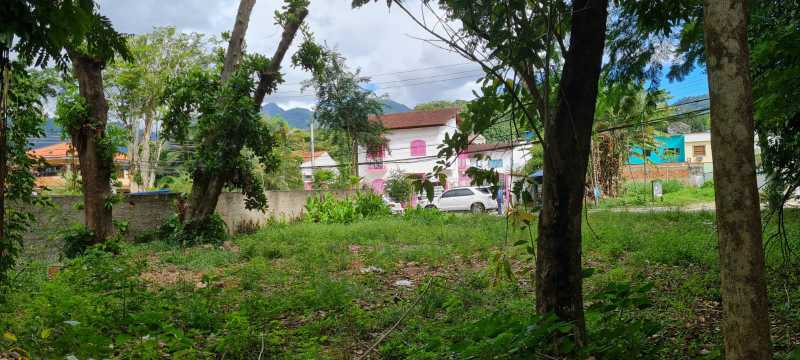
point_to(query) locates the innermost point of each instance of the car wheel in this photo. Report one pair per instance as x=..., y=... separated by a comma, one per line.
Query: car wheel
x=477, y=208
x=430, y=206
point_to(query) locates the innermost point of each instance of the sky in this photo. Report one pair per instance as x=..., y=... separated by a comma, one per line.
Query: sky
x=383, y=43
x=375, y=39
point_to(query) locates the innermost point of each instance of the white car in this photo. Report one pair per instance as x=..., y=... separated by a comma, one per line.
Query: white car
x=394, y=206
x=473, y=198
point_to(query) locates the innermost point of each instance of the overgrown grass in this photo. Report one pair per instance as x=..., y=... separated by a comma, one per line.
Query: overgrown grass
x=303, y=291
x=675, y=194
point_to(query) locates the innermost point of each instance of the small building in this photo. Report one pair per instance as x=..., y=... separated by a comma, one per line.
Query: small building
x=61, y=160
x=668, y=149
x=319, y=160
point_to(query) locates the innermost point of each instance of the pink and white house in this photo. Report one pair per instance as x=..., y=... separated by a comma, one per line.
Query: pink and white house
x=412, y=141
x=412, y=146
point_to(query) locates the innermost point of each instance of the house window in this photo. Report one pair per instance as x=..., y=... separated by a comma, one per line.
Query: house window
x=418, y=148
x=699, y=150
x=648, y=153
x=375, y=157
x=495, y=163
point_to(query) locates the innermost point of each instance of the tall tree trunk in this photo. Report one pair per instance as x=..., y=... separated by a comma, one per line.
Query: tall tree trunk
x=745, y=323
x=95, y=171
x=134, y=159
x=146, y=162
x=5, y=81
x=559, y=277
x=207, y=187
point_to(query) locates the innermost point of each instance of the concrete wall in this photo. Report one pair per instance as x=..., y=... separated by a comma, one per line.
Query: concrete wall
x=145, y=213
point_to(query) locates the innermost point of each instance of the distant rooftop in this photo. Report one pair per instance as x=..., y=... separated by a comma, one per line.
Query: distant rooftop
x=418, y=119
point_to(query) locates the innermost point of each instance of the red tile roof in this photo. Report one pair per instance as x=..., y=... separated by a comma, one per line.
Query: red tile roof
x=63, y=151
x=417, y=119
x=55, y=151
x=306, y=155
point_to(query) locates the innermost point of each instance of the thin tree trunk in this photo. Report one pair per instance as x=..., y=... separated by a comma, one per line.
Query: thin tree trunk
x=96, y=172
x=134, y=162
x=5, y=81
x=745, y=323
x=236, y=43
x=559, y=277
x=146, y=162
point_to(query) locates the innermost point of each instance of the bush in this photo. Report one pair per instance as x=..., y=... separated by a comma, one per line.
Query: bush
x=211, y=230
x=369, y=204
x=329, y=210
x=399, y=187
x=423, y=215
x=671, y=186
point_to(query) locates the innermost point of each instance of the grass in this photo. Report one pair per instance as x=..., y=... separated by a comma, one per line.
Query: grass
x=675, y=194
x=297, y=291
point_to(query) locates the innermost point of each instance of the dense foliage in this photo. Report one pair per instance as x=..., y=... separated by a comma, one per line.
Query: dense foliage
x=329, y=210
x=223, y=122
x=343, y=106
x=25, y=109
x=135, y=89
x=297, y=291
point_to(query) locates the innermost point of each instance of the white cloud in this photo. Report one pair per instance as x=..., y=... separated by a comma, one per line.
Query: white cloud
x=374, y=38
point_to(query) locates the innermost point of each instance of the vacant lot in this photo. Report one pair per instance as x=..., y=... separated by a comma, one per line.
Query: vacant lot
x=426, y=286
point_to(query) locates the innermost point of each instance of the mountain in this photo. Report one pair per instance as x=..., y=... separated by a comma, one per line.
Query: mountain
x=300, y=118
x=691, y=103
x=390, y=106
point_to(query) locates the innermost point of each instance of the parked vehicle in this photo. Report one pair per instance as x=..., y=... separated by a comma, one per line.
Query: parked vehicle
x=473, y=198
x=395, y=207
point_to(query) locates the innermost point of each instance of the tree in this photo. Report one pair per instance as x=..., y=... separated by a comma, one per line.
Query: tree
x=618, y=106
x=441, y=104
x=522, y=38
x=83, y=113
x=136, y=87
x=221, y=106
x=24, y=106
x=285, y=175
x=743, y=285
x=36, y=31
x=344, y=107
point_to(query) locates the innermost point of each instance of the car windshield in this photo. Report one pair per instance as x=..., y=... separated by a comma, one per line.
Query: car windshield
x=485, y=190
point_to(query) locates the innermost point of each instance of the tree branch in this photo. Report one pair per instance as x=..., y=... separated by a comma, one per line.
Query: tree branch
x=269, y=76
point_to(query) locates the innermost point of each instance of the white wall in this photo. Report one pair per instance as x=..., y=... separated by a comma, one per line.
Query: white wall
x=324, y=161
x=398, y=155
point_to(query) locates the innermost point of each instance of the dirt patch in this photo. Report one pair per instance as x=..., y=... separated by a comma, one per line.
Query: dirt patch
x=171, y=275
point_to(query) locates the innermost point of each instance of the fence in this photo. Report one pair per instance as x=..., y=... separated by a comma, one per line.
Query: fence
x=144, y=213
x=691, y=174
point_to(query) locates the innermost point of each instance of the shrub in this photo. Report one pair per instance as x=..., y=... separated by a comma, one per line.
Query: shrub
x=77, y=239
x=211, y=230
x=369, y=204
x=399, y=187
x=329, y=210
x=671, y=186
x=422, y=215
